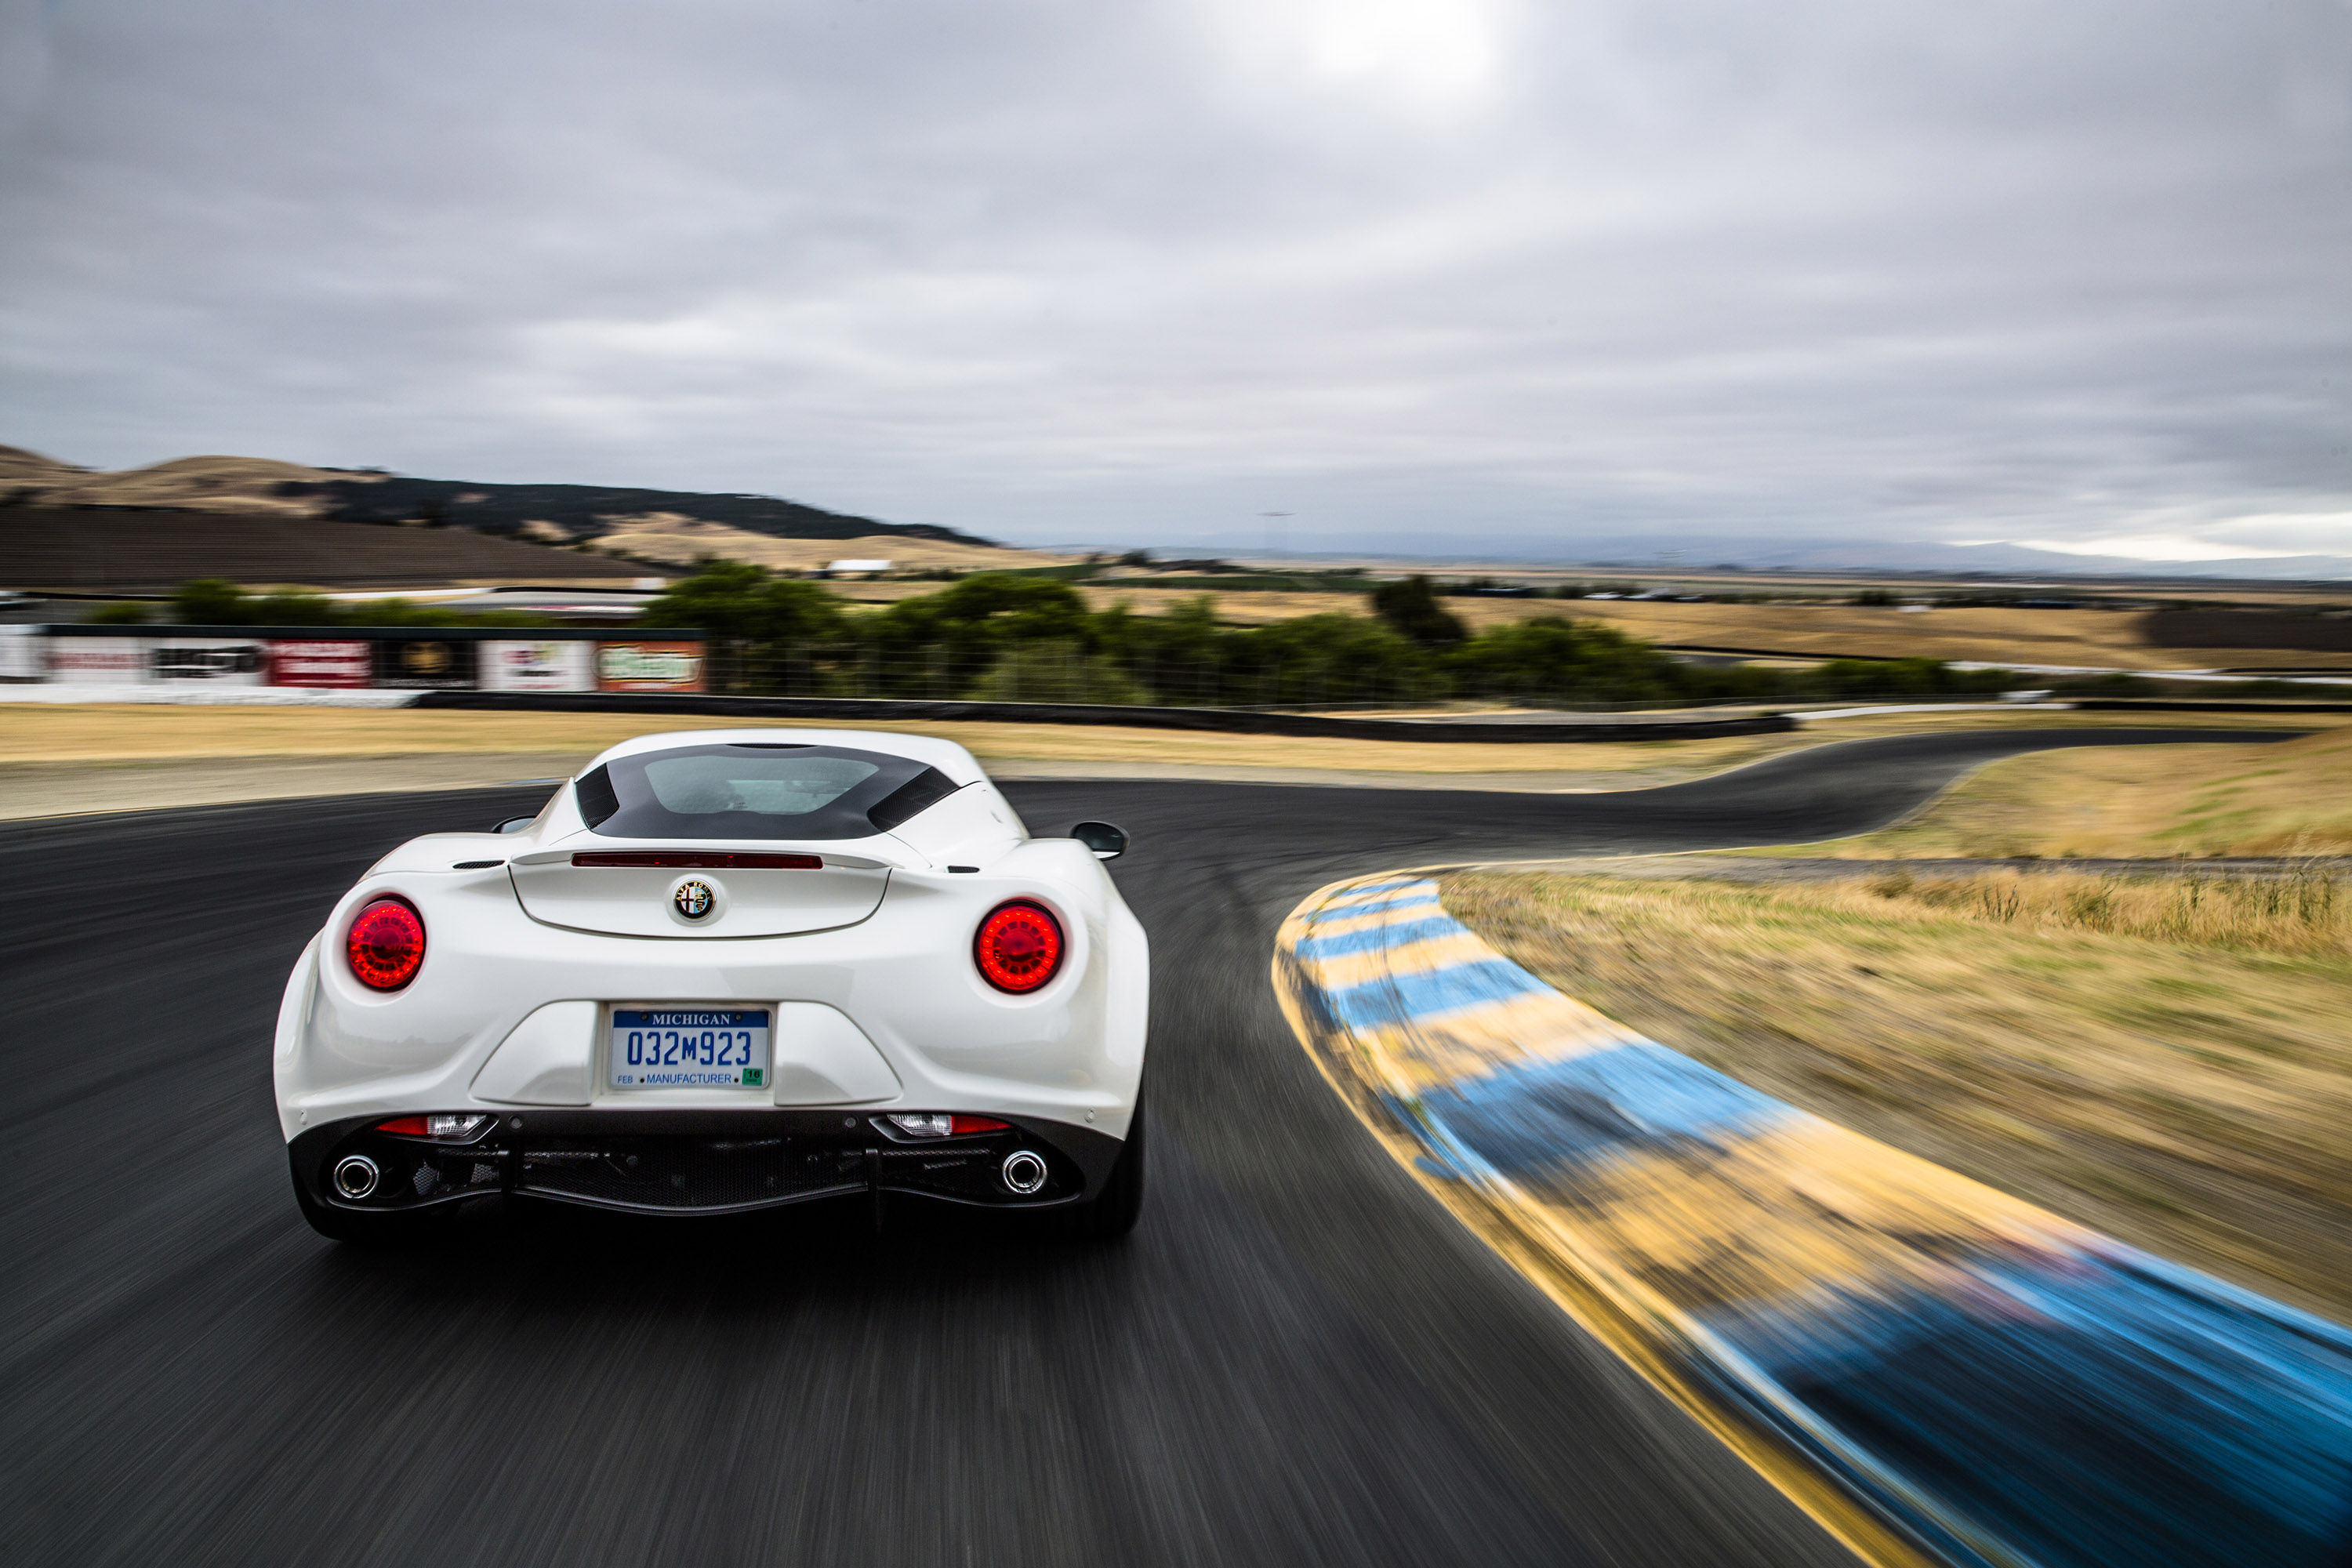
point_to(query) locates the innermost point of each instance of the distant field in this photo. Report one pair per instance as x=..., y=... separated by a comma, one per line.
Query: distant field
x=2165, y=1058
x=2086, y=638
x=2291, y=798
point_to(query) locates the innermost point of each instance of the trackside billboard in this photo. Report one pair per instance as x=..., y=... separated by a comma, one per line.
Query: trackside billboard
x=539, y=666
x=334, y=663
x=650, y=667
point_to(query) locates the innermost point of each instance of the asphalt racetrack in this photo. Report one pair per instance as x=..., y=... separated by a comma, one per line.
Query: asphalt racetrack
x=1299, y=1358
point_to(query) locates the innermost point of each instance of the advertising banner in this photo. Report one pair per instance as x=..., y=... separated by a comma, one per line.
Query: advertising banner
x=224, y=661
x=98, y=662
x=425, y=664
x=338, y=662
x=650, y=667
x=538, y=666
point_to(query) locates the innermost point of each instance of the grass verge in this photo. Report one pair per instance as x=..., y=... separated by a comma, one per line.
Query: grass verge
x=2291, y=798
x=128, y=732
x=2165, y=1058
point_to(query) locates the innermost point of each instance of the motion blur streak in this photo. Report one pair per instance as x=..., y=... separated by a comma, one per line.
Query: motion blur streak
x=1299, y=1358
x=2010, y=1384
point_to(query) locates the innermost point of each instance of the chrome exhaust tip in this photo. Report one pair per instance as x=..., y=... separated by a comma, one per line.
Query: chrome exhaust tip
x=1023, y=1171
x=355, y=1176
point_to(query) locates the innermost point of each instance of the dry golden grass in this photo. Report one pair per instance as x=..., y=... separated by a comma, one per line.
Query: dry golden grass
x=681, y=541
x=2096, y=639
x=2292, y=798
x=130, y=733
x=2173, y=1067
x=106, y=733
x=201, y=484
x=101, y=735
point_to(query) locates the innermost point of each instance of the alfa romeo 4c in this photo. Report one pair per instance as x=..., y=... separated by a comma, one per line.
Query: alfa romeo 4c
x=726, y=970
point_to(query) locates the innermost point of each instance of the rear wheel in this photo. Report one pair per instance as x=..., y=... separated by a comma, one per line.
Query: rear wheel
x=1112, y=1212
x=370, y=1229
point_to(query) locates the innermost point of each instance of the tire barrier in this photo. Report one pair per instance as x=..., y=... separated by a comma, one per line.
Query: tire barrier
x=1939, y=1371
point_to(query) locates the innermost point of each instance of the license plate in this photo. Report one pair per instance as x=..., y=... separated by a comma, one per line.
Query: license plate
x=688, y=1048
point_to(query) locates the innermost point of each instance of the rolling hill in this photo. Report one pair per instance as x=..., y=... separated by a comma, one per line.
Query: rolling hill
x=669, y=526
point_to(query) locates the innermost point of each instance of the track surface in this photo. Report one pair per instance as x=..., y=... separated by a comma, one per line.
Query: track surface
x=1297, y=1358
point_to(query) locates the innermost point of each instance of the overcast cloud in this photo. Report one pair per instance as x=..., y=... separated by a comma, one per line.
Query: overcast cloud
x=1434, y=269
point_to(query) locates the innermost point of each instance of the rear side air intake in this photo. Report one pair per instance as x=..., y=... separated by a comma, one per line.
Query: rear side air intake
x=597, y=800
x=918, y=795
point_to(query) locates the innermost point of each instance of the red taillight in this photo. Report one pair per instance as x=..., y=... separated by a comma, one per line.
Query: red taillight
x=960, y=1125
x=407, y=1126
x=701, y=860
x=386, y=944
x=1019, y=947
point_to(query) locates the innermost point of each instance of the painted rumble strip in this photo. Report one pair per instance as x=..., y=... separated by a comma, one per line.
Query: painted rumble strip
x=1936, y=1370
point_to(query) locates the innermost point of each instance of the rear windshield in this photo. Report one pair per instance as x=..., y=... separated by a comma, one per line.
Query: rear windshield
x=757, y=790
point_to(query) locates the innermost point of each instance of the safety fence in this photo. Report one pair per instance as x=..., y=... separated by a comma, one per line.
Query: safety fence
x=1230, y=674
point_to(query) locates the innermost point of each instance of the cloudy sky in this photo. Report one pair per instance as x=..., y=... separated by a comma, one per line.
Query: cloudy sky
x=1423, y=271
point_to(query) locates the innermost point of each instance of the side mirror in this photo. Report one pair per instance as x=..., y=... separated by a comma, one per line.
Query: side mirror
x=1108, y=843
x=514, y=824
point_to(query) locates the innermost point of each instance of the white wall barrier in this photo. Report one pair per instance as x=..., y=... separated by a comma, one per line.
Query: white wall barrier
x=382, y=658
x=97, y=661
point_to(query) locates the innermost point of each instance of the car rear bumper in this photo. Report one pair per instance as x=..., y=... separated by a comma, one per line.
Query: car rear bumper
x=697, y=1161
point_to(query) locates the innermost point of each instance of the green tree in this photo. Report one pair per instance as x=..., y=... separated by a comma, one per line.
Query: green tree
x=1410, y=605
x=940, y=645
x=298, y=609
x=985, y=611
x=761, y=626
x=1328, y=659
x=736, y=600
x=1057, y=672
x=1563, y=659
x=210, y=602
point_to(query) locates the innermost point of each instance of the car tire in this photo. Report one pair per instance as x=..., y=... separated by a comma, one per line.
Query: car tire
x=370, y=1229
x=1112, y=1212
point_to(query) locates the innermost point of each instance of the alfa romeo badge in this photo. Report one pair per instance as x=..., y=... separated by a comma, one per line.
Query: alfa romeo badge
x=694, y=897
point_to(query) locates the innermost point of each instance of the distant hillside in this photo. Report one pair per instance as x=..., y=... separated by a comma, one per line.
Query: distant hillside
x=664, y=525
x=122, y=551
x=573, y=513
x=248, y=485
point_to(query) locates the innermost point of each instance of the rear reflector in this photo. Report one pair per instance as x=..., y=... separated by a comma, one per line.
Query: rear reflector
x=460, y=1125
x=700, y=860
x=940, y=1124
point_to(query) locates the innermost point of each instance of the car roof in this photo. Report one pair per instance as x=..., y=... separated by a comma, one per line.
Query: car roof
x=945, y=755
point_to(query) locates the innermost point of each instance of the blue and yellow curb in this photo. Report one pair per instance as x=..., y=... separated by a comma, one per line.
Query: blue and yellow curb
x=1937, y=1371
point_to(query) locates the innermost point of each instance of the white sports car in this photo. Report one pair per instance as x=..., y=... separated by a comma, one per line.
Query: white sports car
x=724, y=970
